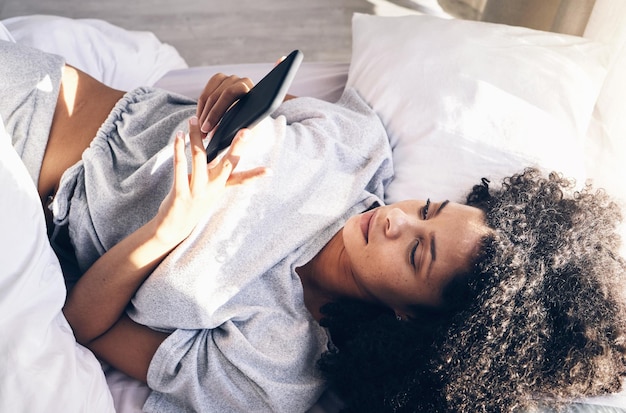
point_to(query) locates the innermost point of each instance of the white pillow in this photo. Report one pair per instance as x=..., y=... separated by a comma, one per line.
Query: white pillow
x=462, y=100
x=123, y=59
x=607, y=130
x=43, y=368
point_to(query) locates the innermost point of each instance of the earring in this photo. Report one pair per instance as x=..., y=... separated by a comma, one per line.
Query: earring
x=398, y=317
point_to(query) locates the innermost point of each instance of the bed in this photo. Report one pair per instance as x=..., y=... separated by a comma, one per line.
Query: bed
x=460, y=100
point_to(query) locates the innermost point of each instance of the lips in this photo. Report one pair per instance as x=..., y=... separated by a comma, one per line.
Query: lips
x=366, y=220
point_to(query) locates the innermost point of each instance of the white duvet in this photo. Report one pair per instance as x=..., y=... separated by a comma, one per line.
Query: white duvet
x=43, y=368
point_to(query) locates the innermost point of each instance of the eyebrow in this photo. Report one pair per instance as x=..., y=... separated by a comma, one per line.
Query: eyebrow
x=442, y=206
x=433, y=249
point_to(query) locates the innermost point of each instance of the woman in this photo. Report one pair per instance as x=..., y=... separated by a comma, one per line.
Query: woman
x=232, y=326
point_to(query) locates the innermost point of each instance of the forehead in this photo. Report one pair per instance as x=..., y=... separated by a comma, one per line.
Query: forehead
x=457, y=231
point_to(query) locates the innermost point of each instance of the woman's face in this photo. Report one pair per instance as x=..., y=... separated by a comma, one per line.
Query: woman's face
x=406, y=253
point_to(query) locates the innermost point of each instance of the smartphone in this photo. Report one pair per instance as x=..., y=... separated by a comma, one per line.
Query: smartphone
x=259, y=102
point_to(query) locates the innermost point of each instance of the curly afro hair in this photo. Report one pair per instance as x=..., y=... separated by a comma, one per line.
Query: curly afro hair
x=538, y=321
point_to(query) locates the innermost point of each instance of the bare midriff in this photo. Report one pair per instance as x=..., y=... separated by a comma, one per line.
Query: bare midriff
x=83, y=105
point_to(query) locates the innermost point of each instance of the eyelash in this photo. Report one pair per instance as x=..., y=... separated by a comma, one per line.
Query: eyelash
x=424, y=213
x=425, y=209
x=412, y=255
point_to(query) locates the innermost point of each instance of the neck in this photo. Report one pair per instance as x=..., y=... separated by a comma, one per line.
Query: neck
x=326, y=277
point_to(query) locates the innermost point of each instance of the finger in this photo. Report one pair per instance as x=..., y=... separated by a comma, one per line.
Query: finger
x=180, y=164
x=236, y=148
x=210, y=94
x=219, y=102
x=199, y=173
x=229, y=161
x=221, y=172
x=214, y=162
x=246, y=176
x=240, y=143
x=231, y=90
x=214, y=82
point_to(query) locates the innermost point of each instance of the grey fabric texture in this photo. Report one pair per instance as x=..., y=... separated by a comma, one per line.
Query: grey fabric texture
x=30, y=87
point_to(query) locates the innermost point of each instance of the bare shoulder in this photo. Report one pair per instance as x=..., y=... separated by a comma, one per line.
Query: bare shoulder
x=82, y=106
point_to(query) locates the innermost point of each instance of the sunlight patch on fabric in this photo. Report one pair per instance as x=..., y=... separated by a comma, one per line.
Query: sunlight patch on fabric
x=45, y=84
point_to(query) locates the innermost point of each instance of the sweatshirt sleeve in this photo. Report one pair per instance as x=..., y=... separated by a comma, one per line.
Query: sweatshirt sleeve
x=259, y=365
x=30, y=86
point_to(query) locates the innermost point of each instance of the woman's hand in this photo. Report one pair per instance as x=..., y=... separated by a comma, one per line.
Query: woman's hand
x=218, y=95
x=192, y=195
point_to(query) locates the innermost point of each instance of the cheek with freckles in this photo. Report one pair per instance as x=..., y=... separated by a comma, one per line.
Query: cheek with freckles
x=382, y=273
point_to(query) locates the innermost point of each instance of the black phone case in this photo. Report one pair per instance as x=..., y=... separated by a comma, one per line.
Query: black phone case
x=258, y=103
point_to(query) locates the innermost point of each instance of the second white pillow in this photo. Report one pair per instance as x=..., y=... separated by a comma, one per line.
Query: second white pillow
x=462, y=100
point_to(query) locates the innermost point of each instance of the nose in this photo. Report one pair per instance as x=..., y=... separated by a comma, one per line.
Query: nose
x=397, y=222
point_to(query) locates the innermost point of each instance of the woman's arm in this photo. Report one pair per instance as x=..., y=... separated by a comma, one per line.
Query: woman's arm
x=95, y=306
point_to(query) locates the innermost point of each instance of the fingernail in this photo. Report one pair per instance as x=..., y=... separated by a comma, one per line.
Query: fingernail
x=193, y=120
x=206, y=127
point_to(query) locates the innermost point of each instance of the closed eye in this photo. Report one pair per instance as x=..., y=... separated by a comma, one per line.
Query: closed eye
x=413, y=252
x=424, y=215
